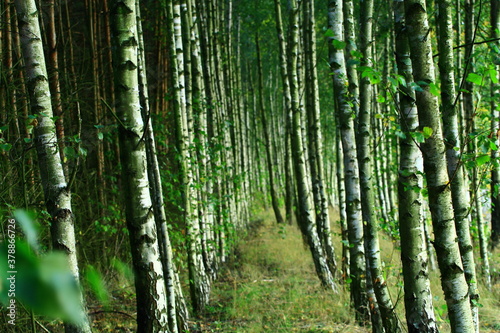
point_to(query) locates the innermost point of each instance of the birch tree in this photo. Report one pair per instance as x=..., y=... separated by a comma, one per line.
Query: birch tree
x=282, y=46
x=495, y=93
x=266, y=129
x=305, y=211
x=459, y=188
x=176, y=306
x=344, y=116
x=366, y=176
x=316, y=164
x=56, y=192
x=418, y=296
x=440, y=202
x=150, y=288
x=198, y=279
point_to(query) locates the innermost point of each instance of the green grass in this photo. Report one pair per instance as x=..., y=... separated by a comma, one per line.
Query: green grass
x=270, y=285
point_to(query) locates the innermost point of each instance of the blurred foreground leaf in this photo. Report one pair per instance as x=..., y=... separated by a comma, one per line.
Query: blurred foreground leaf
x=43, y=284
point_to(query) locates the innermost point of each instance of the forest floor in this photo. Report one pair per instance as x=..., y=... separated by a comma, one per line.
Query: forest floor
x=270, y=285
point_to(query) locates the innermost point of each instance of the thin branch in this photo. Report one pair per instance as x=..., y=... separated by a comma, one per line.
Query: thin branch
x=471, y=44
x=112, y=311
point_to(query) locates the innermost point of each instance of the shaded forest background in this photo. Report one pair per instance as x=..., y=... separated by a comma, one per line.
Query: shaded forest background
x=186, y=145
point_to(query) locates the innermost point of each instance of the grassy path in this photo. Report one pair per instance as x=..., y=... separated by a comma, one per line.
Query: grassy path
x=270, y=286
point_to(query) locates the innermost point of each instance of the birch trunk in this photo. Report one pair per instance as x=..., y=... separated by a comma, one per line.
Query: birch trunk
x=198, y=280
x=364, y=154
x=306, y=219
x=156, y=193
x=282, y=46
x=266, y=129
x=152, y=307
x=57, y=194
x=440, y=202
x=342, y=208
x=418, y=297
x=495, y=124
x=344, y=114
x=459, y=188
x=316, y=138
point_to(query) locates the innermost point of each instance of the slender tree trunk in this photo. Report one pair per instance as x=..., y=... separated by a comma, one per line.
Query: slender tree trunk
x=352, y=189
x=100, y=182
x=495, y=127
x=453, y=279
x=364, y=154
x=459, y=189
x=316, y=138
x=266, y=129
x=156, y=192
x=418, y=297
x=57, y=194
x=74, y=89
x=350, y=51
x=55, y=88
x=306, y=219
x=198, y=280
x=342, y=208
x=470, y=125
x=152, y=307
x=282, y=46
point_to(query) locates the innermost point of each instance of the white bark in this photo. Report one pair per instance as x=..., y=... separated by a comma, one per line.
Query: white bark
x=57, y=195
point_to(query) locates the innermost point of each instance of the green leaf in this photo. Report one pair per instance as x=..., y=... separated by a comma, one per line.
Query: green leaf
x=96, y=283
x=69, y=152
x=405, y=173
x=493, y=146
x=83, y=151
x=427, y=131
x=400, y=135
x=482, y=159
x=45, y=285
x=356, y=54
x=418, y=136
x=433, y=89
x=393, y=81
x=474, y=78
x=380, y=99
x=339, y=45
x=415, y=86
x=402, y=80
x=329, y=33
x=5, y=147
x=493, y=75
x=27, y=224
x=100, y=135
x=352, y=62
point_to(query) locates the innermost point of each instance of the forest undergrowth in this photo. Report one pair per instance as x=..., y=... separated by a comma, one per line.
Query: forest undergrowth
x=269, y=285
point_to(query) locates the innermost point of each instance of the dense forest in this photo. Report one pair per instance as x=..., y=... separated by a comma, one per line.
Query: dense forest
x=250, y=166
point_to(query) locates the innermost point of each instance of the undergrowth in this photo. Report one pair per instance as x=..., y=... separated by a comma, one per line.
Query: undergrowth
x=270, y=285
